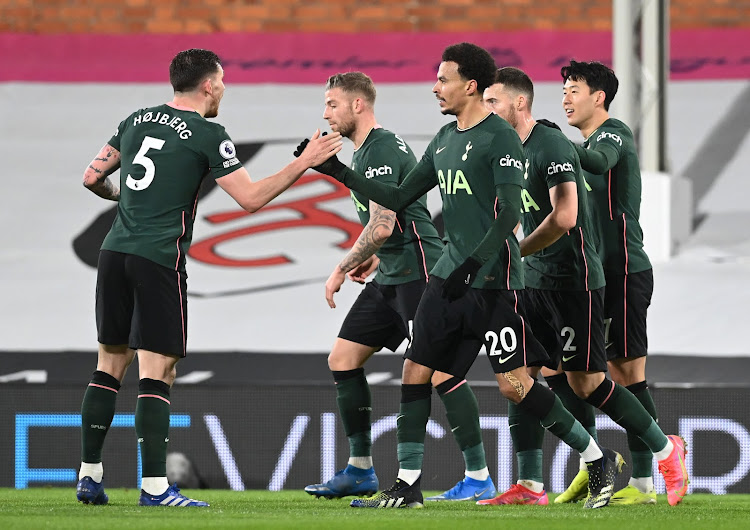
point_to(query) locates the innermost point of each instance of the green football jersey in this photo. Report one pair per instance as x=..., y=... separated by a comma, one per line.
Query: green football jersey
x=570, y=263
x=617, y=200
x=165, y=153
x=468, y=164
x=414, y=246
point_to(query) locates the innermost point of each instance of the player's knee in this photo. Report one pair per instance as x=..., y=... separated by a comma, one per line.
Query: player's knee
x=338, y=362
x=508, y=390
x=581, y=389
x=171, y=376
x=511, y=394
x=333, y=361
x=624, y=378
x=584, y=383
x=443, y=382
x=578, y=387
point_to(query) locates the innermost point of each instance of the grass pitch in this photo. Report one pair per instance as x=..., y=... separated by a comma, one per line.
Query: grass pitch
x=57, y=508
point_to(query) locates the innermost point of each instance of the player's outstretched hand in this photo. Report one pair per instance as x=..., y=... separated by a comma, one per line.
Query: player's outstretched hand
x=459, y=281
x=548, y=123
x=319, y=152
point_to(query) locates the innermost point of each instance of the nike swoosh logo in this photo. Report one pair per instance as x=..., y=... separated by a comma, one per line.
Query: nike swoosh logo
x=437, y=151
x=606, y=346
x=503, y=361
x=566, y=359
x=480, y=493
x=360, y=481
x=454, y=429
x=399, y=417
x=513, y=425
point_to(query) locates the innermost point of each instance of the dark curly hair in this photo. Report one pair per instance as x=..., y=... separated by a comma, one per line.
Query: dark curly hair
x=596, y=75
x=473, y=63
x=189, y=68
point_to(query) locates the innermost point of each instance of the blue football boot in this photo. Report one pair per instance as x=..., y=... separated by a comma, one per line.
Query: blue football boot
x=171, y=497
x=90, y=492
x=468, y=489
x=349, y=481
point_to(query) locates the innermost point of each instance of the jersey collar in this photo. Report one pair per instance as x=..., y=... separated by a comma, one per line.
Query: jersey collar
x=459, y=129
x=180, y=107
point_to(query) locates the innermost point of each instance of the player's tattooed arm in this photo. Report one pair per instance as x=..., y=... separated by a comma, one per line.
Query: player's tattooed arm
x=376, y=232
x=361, y=258
x=95, y=178
x=516, y=384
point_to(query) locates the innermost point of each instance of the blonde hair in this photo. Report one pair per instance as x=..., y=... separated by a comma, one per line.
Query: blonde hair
x=354, y=83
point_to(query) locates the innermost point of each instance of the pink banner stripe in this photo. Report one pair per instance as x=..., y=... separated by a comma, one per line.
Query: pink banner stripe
x=312, y=57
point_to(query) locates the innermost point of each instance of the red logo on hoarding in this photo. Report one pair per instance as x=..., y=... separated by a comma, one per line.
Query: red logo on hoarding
x=206, y=250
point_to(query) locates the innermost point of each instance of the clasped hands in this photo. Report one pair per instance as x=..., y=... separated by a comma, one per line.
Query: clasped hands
x=322, y=148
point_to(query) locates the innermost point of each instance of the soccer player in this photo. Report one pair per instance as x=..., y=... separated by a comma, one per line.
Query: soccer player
x=610, y=161
x=477, y=161
x=402, y=249
x=564, y=294
x=163, y=153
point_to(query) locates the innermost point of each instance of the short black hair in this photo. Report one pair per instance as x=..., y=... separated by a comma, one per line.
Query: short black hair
x=473, y=62
x=190, y=67
x=516, y=80
x=596, y=75
x=354, y=83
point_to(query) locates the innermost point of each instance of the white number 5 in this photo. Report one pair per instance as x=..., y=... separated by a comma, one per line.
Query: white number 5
x=149, y=142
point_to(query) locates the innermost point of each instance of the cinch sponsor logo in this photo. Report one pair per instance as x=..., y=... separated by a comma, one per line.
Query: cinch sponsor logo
x=378, y=171
x=606, y=134
x=557, y=168
x=507, y=161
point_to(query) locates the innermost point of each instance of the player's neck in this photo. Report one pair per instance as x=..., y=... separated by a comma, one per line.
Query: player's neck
x=525, y=123
x=186, y=102
x=364, y=126
x=471, y=114
x=594, y=123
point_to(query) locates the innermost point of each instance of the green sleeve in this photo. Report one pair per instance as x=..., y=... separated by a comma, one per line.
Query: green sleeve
x=598, y=159
x=220, y=152
x=419, y=181
x=383, y=156
x=115, y=140
x=506, y=158
x=556, y=160
x=508, y=215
